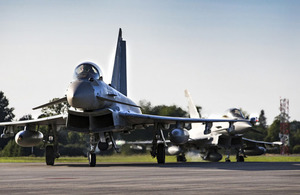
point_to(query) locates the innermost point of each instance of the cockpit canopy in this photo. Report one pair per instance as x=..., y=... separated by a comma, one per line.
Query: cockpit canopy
x=235, y=113
x=87, y=70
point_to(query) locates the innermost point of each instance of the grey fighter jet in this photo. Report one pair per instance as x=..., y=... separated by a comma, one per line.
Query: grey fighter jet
x=208, y=138
x=99, y=110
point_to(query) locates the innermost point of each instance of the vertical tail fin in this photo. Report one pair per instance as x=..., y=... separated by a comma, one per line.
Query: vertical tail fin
x=119, y=78
x=192, y=108
x=196, y=127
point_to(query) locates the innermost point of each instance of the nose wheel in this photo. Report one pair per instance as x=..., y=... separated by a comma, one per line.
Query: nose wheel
x=240, y=159
x=92, y=159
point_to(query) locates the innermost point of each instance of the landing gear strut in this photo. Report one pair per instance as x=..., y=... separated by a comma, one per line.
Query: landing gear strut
x=240, y=156
x=51, y=149
x=94, y=138
x=227, y=159
x=158, y=149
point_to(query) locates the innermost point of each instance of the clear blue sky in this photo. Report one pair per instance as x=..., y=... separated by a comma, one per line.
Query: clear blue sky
x=226, y=53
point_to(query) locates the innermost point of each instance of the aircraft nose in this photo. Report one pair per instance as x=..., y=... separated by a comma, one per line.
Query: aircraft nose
x=243, y=127
x=81, y=94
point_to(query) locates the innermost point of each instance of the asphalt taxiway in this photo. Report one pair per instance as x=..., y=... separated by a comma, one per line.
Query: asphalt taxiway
x=148, y=178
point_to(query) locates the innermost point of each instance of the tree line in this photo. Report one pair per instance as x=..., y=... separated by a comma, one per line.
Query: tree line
x=76, y=144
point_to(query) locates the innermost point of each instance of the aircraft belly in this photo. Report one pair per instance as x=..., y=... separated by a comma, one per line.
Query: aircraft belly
x=232, y=141
x=103, y=120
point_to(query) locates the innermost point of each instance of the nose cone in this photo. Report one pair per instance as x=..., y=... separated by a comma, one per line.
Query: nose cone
x=81, y=95
x=242, y=127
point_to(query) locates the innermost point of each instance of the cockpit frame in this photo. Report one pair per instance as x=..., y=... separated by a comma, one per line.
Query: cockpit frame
x=87, y=71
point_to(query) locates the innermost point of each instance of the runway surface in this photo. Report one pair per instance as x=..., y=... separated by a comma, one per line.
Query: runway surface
x=148, y=178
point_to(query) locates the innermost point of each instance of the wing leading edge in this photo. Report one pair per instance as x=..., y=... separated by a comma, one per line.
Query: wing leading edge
x=58, y=120
x=261, y=142
x=136, y=118
x=11, y=127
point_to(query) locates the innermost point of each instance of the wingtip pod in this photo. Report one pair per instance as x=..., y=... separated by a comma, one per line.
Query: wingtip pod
x=278, y=143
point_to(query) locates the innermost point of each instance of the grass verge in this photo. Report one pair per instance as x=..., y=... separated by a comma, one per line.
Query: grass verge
x=146, y=158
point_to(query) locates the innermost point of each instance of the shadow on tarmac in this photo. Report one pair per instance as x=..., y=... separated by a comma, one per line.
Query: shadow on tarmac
x=246, y=166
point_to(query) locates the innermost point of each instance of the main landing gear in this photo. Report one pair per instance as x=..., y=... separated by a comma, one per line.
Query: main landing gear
x=158, y=145
x=92, y=159
x=51, y=149
x=161, y=156
x=181, y=158
x=50, y=156
x=240, y=156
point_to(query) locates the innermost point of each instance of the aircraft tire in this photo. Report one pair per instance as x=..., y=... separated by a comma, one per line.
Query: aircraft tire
x=181, y=158
x=92, y=159
x=50, y=157
x=240, y=159
x=161, y=156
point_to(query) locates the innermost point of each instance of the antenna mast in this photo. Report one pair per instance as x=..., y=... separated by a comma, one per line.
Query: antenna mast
x=284, y=134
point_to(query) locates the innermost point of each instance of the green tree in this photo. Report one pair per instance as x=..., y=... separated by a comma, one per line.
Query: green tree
x=6, y=114
x=295, y=137
x=70, y=143
x=245, y=113
x=296, y=149
x=54, y=109
x=262, y=120
x=273, y=131
x=261, y=127
x=26, y=117
x=162, y=110
x=11, y=149
x=147, y=108
x=73, y=138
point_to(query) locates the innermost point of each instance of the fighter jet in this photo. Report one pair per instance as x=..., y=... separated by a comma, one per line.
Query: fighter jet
x=99, y=110
x=210, y=138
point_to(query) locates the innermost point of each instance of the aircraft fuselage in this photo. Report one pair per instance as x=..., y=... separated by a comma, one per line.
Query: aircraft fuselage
x=96, y=103
x=91, y=93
